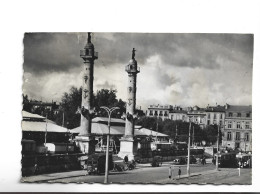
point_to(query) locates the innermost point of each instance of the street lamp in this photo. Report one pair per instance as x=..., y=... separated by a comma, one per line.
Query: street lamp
x=109, y=112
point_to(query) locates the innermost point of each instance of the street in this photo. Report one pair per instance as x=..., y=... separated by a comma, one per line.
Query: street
x=146, y=174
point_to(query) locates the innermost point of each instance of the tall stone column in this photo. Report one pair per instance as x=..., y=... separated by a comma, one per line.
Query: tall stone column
x=127, y=145
x=84, y=139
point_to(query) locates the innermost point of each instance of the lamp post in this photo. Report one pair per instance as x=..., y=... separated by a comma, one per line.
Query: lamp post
x=109, y=112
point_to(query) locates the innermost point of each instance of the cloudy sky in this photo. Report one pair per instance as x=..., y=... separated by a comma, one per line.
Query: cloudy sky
x=176, y=69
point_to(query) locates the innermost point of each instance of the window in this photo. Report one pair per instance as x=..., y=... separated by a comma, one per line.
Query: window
x=155, y=113
x=239, y=114
x=229, y=124
x=246, y=137
x=208, y=116
x=238, y=125
x=215, y=116
x=208, y=122
x=220, y=122
x=237, y=135
x=220, y=116
x=237, y=145
x=151, y=112
x=229, y=136
x=247, y=114
x=247, y=125
x=230, y=114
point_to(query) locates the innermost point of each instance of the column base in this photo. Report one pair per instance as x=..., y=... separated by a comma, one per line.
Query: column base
x=86, y=144
x=128, y=147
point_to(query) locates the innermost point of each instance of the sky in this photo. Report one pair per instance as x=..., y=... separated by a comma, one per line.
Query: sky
x=175, y=69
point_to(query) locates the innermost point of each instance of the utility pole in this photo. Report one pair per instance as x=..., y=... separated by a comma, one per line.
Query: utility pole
x=45, y=138
x=188, y=162
x=217, y=149
x=193, y=137
x=63, y=119
x=156, y=128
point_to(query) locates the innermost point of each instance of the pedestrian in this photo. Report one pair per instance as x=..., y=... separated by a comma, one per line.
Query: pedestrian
x=203, y=161
x=36, y=168
x=170, y=172
x=179, y=172
x=126, y=159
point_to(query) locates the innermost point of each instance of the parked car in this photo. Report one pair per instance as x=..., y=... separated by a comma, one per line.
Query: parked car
x=179, y=160
x=193, y=160
x=96, y=163
x=157, y=161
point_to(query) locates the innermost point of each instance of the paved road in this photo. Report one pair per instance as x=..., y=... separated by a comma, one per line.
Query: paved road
x=139, y=175
x=224, y=176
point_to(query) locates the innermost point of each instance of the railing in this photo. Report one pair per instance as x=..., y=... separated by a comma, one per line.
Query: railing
x=86, y=53
x=132, y=69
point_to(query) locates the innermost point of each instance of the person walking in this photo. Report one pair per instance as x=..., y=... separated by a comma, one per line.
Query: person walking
x=126, y=159
x=170, y=172
x=179, y=172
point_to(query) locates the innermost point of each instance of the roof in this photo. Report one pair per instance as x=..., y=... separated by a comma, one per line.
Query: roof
x=239, y=108
x=41, y=127
x=215, y=109
x=30, y=115
x=102, y=129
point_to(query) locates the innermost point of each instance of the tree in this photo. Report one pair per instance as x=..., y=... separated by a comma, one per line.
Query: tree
x=211, y=134
x=26, y=105
x=150, y=123
x=72, y=100
x=69, y=106
x=109, y=99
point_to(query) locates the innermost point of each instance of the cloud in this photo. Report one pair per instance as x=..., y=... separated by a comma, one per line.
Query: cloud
x=181, y=69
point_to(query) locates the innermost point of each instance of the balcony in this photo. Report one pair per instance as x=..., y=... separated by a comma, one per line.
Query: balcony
x=132, y=69
x=87, y=54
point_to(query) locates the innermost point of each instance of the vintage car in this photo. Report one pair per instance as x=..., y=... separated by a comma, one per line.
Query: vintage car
x=179, y=161
x=157, y=161
x=192, y=159
x=96, y=163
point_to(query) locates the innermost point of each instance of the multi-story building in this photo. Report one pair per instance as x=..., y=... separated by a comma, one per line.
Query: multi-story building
x=238, y=127
x=177, y=113
x=197, y=115
x=159, y=111
x=215, y=115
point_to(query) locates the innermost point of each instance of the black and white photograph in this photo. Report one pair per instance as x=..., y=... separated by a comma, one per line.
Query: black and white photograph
x=153, y=108
x=129, y=96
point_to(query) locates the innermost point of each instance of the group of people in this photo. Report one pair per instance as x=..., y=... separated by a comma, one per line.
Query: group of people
x=171, y=171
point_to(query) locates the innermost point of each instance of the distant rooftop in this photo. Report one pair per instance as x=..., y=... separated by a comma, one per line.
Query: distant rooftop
x=239, y=108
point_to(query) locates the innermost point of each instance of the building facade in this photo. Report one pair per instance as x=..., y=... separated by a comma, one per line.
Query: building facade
x=161, y=111
x=215, y=115
x=238, y=127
